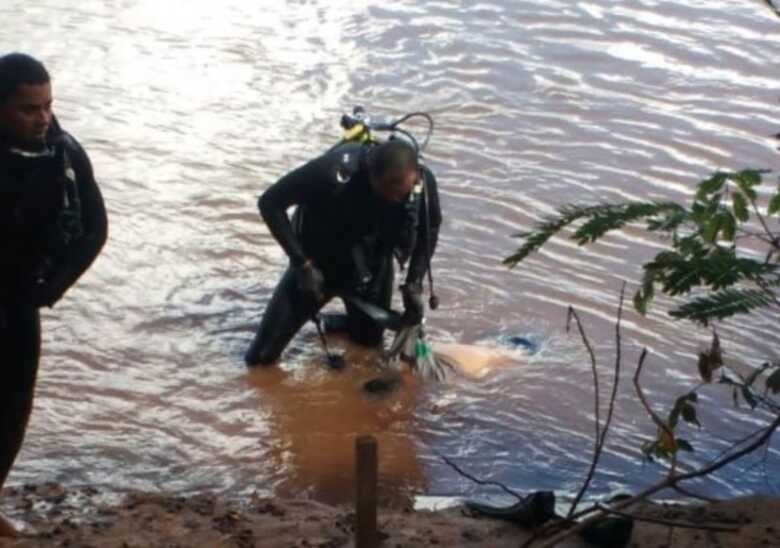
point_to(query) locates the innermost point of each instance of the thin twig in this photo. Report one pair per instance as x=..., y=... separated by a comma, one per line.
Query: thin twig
x=774, y=240
x=466, y=475
x=656, y=419
x=762, y=399
x=736, y=444
x=768, y=290
x=670, y=523
x=573, y=314
x=597, y=406
x=762, y=220
x=602, y=436
x=765, y=436
x=692, y=495
x=618, y=359
x=750, y=234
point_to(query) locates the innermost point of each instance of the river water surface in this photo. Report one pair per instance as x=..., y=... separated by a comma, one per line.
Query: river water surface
x=190, y=109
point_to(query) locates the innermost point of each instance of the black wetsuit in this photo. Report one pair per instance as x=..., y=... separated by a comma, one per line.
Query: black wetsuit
x=51, y=229
x=350, y=234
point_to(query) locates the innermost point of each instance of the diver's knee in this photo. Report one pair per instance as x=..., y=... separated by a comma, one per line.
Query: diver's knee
x=258, y=354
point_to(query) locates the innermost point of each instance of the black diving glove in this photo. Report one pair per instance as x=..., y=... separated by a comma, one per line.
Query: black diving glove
x=414, y=309
x=311, y=282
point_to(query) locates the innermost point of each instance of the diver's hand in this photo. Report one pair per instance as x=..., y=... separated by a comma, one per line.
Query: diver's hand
x=414, y=309
x=311, y=282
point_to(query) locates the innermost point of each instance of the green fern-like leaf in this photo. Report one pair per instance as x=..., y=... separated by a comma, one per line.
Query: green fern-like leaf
x=546, y=230
x=669, y=221
x=692, y=264
x=601, y=218
x=723, y=304
x=611, y=217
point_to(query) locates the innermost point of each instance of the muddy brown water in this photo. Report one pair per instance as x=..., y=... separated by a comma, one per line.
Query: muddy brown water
x=190, y=109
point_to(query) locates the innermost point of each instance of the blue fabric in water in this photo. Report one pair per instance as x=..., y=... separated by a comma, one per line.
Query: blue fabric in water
x=517, y=341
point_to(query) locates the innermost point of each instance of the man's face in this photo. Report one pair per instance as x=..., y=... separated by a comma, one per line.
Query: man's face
x=26, y=115
x=394, y=186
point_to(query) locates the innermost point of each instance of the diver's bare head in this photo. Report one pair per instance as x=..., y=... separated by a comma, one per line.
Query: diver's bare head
x=393, y=170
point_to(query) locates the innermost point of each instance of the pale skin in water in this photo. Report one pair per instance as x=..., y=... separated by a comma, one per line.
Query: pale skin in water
x=24, y=119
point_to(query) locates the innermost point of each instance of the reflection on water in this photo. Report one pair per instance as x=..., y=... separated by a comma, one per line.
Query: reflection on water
x=190, y=109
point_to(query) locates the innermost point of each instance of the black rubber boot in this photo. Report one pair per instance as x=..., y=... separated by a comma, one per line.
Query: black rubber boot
x=534, y=510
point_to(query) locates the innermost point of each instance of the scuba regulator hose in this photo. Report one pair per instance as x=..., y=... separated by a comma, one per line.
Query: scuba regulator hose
x=359, y=121
x=433, y=301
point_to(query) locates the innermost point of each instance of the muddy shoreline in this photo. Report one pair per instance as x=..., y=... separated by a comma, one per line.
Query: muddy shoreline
x=55, y=516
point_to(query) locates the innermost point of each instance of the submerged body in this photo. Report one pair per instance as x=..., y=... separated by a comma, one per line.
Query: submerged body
x=472, y=360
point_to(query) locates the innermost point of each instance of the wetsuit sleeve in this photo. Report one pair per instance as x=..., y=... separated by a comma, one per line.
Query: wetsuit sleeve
x=427, y=234
x=302, y=186
x=82, y=252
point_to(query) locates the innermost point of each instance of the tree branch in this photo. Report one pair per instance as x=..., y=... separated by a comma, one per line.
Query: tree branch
x=671, y=480
x=618, y=358
x=763, y=438
x=692, y=495
x=466, y=475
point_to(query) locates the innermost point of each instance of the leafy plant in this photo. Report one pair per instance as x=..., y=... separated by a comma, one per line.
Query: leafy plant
x=703, y=256
x=703, y=250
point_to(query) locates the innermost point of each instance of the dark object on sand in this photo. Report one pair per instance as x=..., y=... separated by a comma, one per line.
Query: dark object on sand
x=610, y=532
x=534, y=510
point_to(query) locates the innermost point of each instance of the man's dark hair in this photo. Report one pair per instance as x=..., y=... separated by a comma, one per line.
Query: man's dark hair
x=17, y=69
x=392, y=156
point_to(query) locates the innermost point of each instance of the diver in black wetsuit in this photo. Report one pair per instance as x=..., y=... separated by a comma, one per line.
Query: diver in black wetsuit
x=52, y=226
x=358, y=206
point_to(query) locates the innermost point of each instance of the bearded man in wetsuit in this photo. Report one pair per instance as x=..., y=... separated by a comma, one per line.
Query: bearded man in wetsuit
x=358, y=207
x=52, y=226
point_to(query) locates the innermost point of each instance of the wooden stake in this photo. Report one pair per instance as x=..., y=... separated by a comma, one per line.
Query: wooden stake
x=366, y=492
